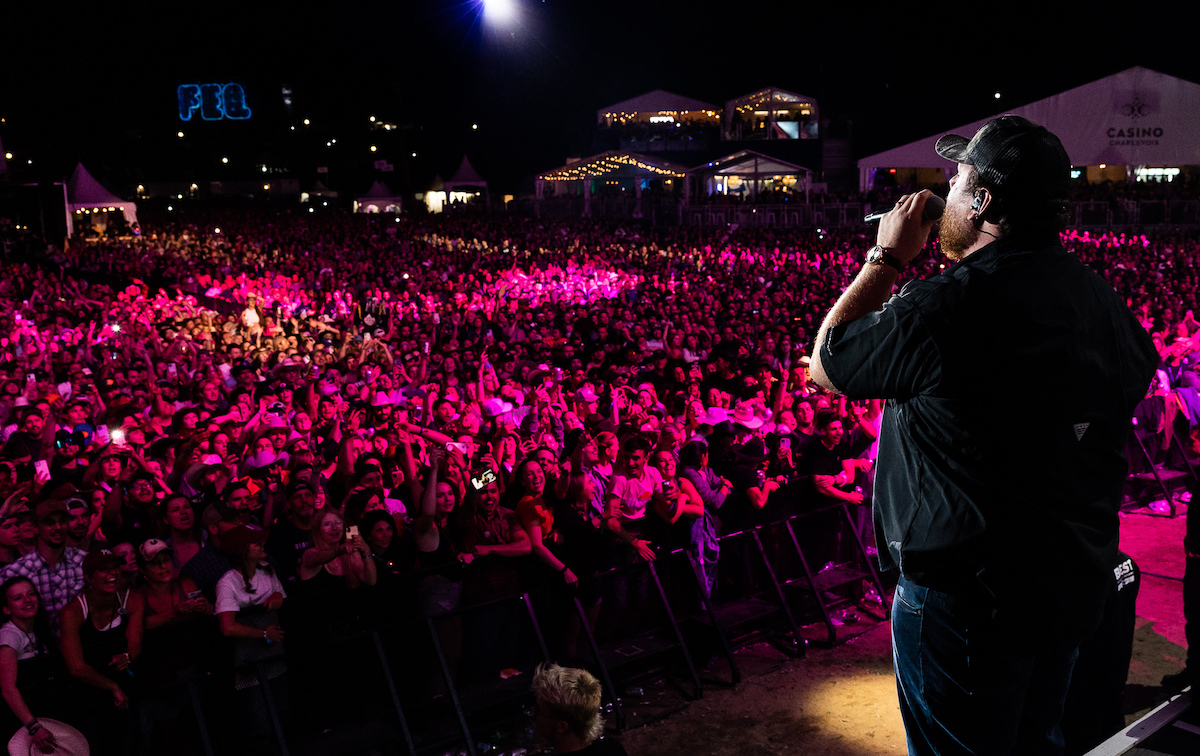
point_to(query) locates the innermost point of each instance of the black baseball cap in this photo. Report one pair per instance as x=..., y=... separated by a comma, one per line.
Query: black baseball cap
x=1019, y=159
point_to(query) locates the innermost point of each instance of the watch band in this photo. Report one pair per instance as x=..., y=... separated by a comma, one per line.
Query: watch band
x=879, y=255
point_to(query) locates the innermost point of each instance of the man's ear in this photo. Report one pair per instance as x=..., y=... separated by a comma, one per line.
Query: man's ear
x=982, y=202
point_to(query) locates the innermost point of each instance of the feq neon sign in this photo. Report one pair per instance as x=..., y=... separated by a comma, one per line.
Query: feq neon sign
x=214, y=101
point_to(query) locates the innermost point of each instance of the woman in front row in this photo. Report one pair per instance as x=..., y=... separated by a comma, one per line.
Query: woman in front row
x=101, y=638
x=27, y=655
x=248, y=600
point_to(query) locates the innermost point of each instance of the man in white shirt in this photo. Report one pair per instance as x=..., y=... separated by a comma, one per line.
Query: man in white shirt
x=634, y=491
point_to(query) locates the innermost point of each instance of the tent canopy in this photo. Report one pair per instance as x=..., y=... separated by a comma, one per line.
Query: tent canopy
x=465, y=176
x=619, y=163
x=750, y=163
x=654, y=102
x=1135, y=117
x=86, y=195
x=378, y=199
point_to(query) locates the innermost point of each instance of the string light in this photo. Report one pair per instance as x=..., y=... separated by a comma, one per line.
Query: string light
x=605, y=164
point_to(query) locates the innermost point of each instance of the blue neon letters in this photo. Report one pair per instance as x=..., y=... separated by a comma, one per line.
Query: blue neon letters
x=214, y=101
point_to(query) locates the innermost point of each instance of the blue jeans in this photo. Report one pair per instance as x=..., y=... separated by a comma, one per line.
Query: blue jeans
x=967, y=686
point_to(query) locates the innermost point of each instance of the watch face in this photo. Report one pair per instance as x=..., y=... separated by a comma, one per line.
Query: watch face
x=875, y=255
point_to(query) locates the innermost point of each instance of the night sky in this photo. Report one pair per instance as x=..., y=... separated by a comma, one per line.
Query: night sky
x=99, y=85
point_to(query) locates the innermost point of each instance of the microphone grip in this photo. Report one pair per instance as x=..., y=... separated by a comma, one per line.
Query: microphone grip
x=934, y=206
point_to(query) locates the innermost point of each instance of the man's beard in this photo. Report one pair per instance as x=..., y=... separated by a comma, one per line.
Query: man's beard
x=957, y=234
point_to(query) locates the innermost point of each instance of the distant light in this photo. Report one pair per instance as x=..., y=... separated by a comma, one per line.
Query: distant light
x=264, y=169
x=293, y=128
x=397, y=220
x=373, y=148
x=28, y=162
x=306, y=122
x=498, y=10
x=8, y=156
x=312, y=210
x=169, y=208
x=372, y=119
x=141, y=188
x=474, y=126
x=324, y=204
x=997, y=95
x=224, y=160
x=414, y=154
x=179, y=134
x=267, y=187
x=116, y=328
x=216, y=230
x=405, y=276
x=1104, y=165
x=194, y=187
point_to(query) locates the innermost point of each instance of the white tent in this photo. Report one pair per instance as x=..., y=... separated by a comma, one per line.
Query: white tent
x=88, y=201
x=658, y=104
x=463, y=186
x=465, y=176
x=1137, y=117
x=749, y=170
x=378, y=199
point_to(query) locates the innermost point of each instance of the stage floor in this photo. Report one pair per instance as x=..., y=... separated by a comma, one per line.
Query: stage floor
x=842, y=701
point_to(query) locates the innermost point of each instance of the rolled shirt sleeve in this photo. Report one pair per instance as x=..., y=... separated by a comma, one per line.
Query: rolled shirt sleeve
x=887, y=354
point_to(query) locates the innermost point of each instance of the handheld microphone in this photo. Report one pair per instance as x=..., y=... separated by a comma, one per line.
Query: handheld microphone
x=933, y=210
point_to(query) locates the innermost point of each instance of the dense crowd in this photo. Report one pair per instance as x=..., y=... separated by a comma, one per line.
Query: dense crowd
x=256, y=425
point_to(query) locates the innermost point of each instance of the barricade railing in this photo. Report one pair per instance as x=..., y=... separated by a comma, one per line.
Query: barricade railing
x=391, y=659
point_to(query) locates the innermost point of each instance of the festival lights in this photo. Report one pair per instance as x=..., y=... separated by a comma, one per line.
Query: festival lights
x=605, y=164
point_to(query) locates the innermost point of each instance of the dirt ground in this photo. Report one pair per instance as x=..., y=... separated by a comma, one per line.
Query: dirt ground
x=842, y=701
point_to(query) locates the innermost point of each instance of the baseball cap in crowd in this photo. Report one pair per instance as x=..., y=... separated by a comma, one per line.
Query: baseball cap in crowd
x=77, y=504
x=1021, y=160
x=101, y=560
x=49, y=508
x=299, y=484
x=213, y=514
x=152, y=548
x=237, y=539
x=587, y=395
x=85, y=429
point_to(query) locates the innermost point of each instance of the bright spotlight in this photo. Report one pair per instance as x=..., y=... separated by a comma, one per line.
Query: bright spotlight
x=498, y=10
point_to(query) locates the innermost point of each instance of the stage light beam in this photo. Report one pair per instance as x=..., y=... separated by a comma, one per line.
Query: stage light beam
x=499, y=10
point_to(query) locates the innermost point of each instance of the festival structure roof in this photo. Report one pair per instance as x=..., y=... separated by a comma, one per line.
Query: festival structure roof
x=750, y=163
x=86, y=196
x=779, y=110
x=616, y=163
x=378, y=199
x=653, y=104
x=465, y=176
x=1135, y=117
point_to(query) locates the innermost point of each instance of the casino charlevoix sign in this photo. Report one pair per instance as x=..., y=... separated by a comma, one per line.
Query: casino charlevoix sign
x=214, y=101
x=1134, y=135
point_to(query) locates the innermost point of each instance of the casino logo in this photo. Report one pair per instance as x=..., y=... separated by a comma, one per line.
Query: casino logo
x=1134, y=135
x=1135, y=108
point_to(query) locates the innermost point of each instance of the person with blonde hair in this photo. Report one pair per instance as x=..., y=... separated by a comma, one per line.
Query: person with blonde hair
x=567, y=711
